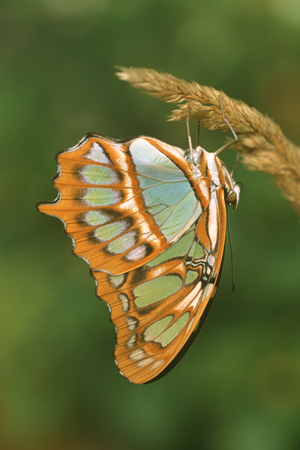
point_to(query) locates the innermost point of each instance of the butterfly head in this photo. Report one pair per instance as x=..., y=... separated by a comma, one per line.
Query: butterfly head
x=233, y=195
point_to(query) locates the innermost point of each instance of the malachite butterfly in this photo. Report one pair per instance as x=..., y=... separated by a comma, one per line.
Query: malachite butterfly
x=150, y=220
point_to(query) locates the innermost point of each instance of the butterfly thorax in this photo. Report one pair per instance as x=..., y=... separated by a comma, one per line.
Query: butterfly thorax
x=207, y=165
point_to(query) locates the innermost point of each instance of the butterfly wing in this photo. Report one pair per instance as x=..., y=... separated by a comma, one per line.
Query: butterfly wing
x=122, y=203
x=150, y=231
x=159, y=308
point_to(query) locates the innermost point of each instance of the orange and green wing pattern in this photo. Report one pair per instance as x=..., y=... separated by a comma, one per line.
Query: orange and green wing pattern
x=152, y=229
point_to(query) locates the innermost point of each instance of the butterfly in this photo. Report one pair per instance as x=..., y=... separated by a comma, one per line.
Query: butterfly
x=150, y=220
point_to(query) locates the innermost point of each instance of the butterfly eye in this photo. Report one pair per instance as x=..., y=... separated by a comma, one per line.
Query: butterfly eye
x=234, y=196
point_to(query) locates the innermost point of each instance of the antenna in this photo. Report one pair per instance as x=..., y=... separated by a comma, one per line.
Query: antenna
x=231, y=252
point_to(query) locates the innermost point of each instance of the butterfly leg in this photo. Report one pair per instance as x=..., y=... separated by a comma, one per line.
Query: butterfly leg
x=235, y=164
x=188, y=132
x=198, y=133
x=194, y=153
x=230, y=127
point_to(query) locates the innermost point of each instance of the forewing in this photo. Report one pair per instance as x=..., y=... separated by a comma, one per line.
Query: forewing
x=123, y=203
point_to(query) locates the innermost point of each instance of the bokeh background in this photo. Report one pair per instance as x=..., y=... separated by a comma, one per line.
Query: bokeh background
x=239, y=385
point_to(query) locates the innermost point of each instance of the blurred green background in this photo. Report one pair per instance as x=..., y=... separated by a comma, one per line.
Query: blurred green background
x=239, y=385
